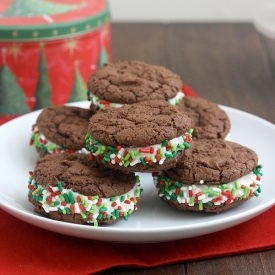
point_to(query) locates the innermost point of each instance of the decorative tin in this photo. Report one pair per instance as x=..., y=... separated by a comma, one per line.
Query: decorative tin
x=48, y=49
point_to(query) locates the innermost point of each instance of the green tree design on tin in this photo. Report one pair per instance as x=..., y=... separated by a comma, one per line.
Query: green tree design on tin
x=79, y=89
x=38, y=8
x=12, y=98
x=103, y=57
x=43, y=89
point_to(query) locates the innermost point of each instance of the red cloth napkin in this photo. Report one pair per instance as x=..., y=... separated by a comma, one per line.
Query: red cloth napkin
x=26, y=249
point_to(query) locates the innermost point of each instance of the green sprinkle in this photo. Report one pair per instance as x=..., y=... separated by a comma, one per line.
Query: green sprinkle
x=60, y=187
x=61, y=197
x=181, y=146
x=132, y=154
x=246, y=191
x=224, y=186
x=142, y=161
x=187, y=145
x=95, y=222
x=181, y=194
x=117, y=213
x=112, y=149
x=259, y=189
x=200, y=205
x=95, y=197
x=36, y=191
x=233, y=191
x=178, y=184
x=64, y=211
x=107, y=159
x=136, y=192
x=164, y=143
x=66, y=198
x=71, y=197
x=206, y=191
x=127, y=156
x=256, y=193
x=191, y=201
x=100, y=216
x=168, y=155
x=125, y=218
x=126, y=163
x=137, y=179
x=210, y=203
x=237, y=186
x=83, y=215
x=122, y=198
x=216, y=193
x=68, y=211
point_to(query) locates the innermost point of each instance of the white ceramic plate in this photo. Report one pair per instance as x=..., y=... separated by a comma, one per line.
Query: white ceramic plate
x=154, y=221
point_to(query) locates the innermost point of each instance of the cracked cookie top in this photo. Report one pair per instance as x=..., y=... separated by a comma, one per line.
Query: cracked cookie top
x=129, y=82
x=76, y=172
x=208, y=120
x=65, y=125
x=138, y=125
x=214, y=162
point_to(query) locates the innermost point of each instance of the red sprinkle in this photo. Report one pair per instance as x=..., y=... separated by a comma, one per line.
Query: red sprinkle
x=127, y=201
x=72, y=209
x=145, y=150
x=49, y=200
x=119, y=207
x=113, y=204
x=31, y=142
x=258, y=178
x=157, y=157
x=117, y=159
x=64, y=203
x=118, y=148
x=30, y=173
x=99, y=201
x=91, y=156
x=90, y=216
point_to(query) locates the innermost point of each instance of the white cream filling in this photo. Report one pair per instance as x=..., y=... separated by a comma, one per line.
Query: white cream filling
x=125, y=203
x=41, y=141
x=158, y=152
x=99, y=104
x=219, y=193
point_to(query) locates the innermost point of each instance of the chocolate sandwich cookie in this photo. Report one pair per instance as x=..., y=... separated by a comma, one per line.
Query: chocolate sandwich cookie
x=142, y=137
x=130, y=82
x=213, y=176
x=70, y=188
x=61, y=129
x=209, y=121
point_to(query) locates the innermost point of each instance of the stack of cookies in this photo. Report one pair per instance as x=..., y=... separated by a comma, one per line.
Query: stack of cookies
x=138, y=121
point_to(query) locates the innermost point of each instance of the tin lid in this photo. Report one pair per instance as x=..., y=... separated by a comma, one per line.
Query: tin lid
x=50, y=19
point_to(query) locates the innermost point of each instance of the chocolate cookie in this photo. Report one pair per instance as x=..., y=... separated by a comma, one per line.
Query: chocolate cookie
x=212, y=176
x=130, y=82
x=209, y=121
x=141, y=137
x=60, y=129
x=70, y=188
